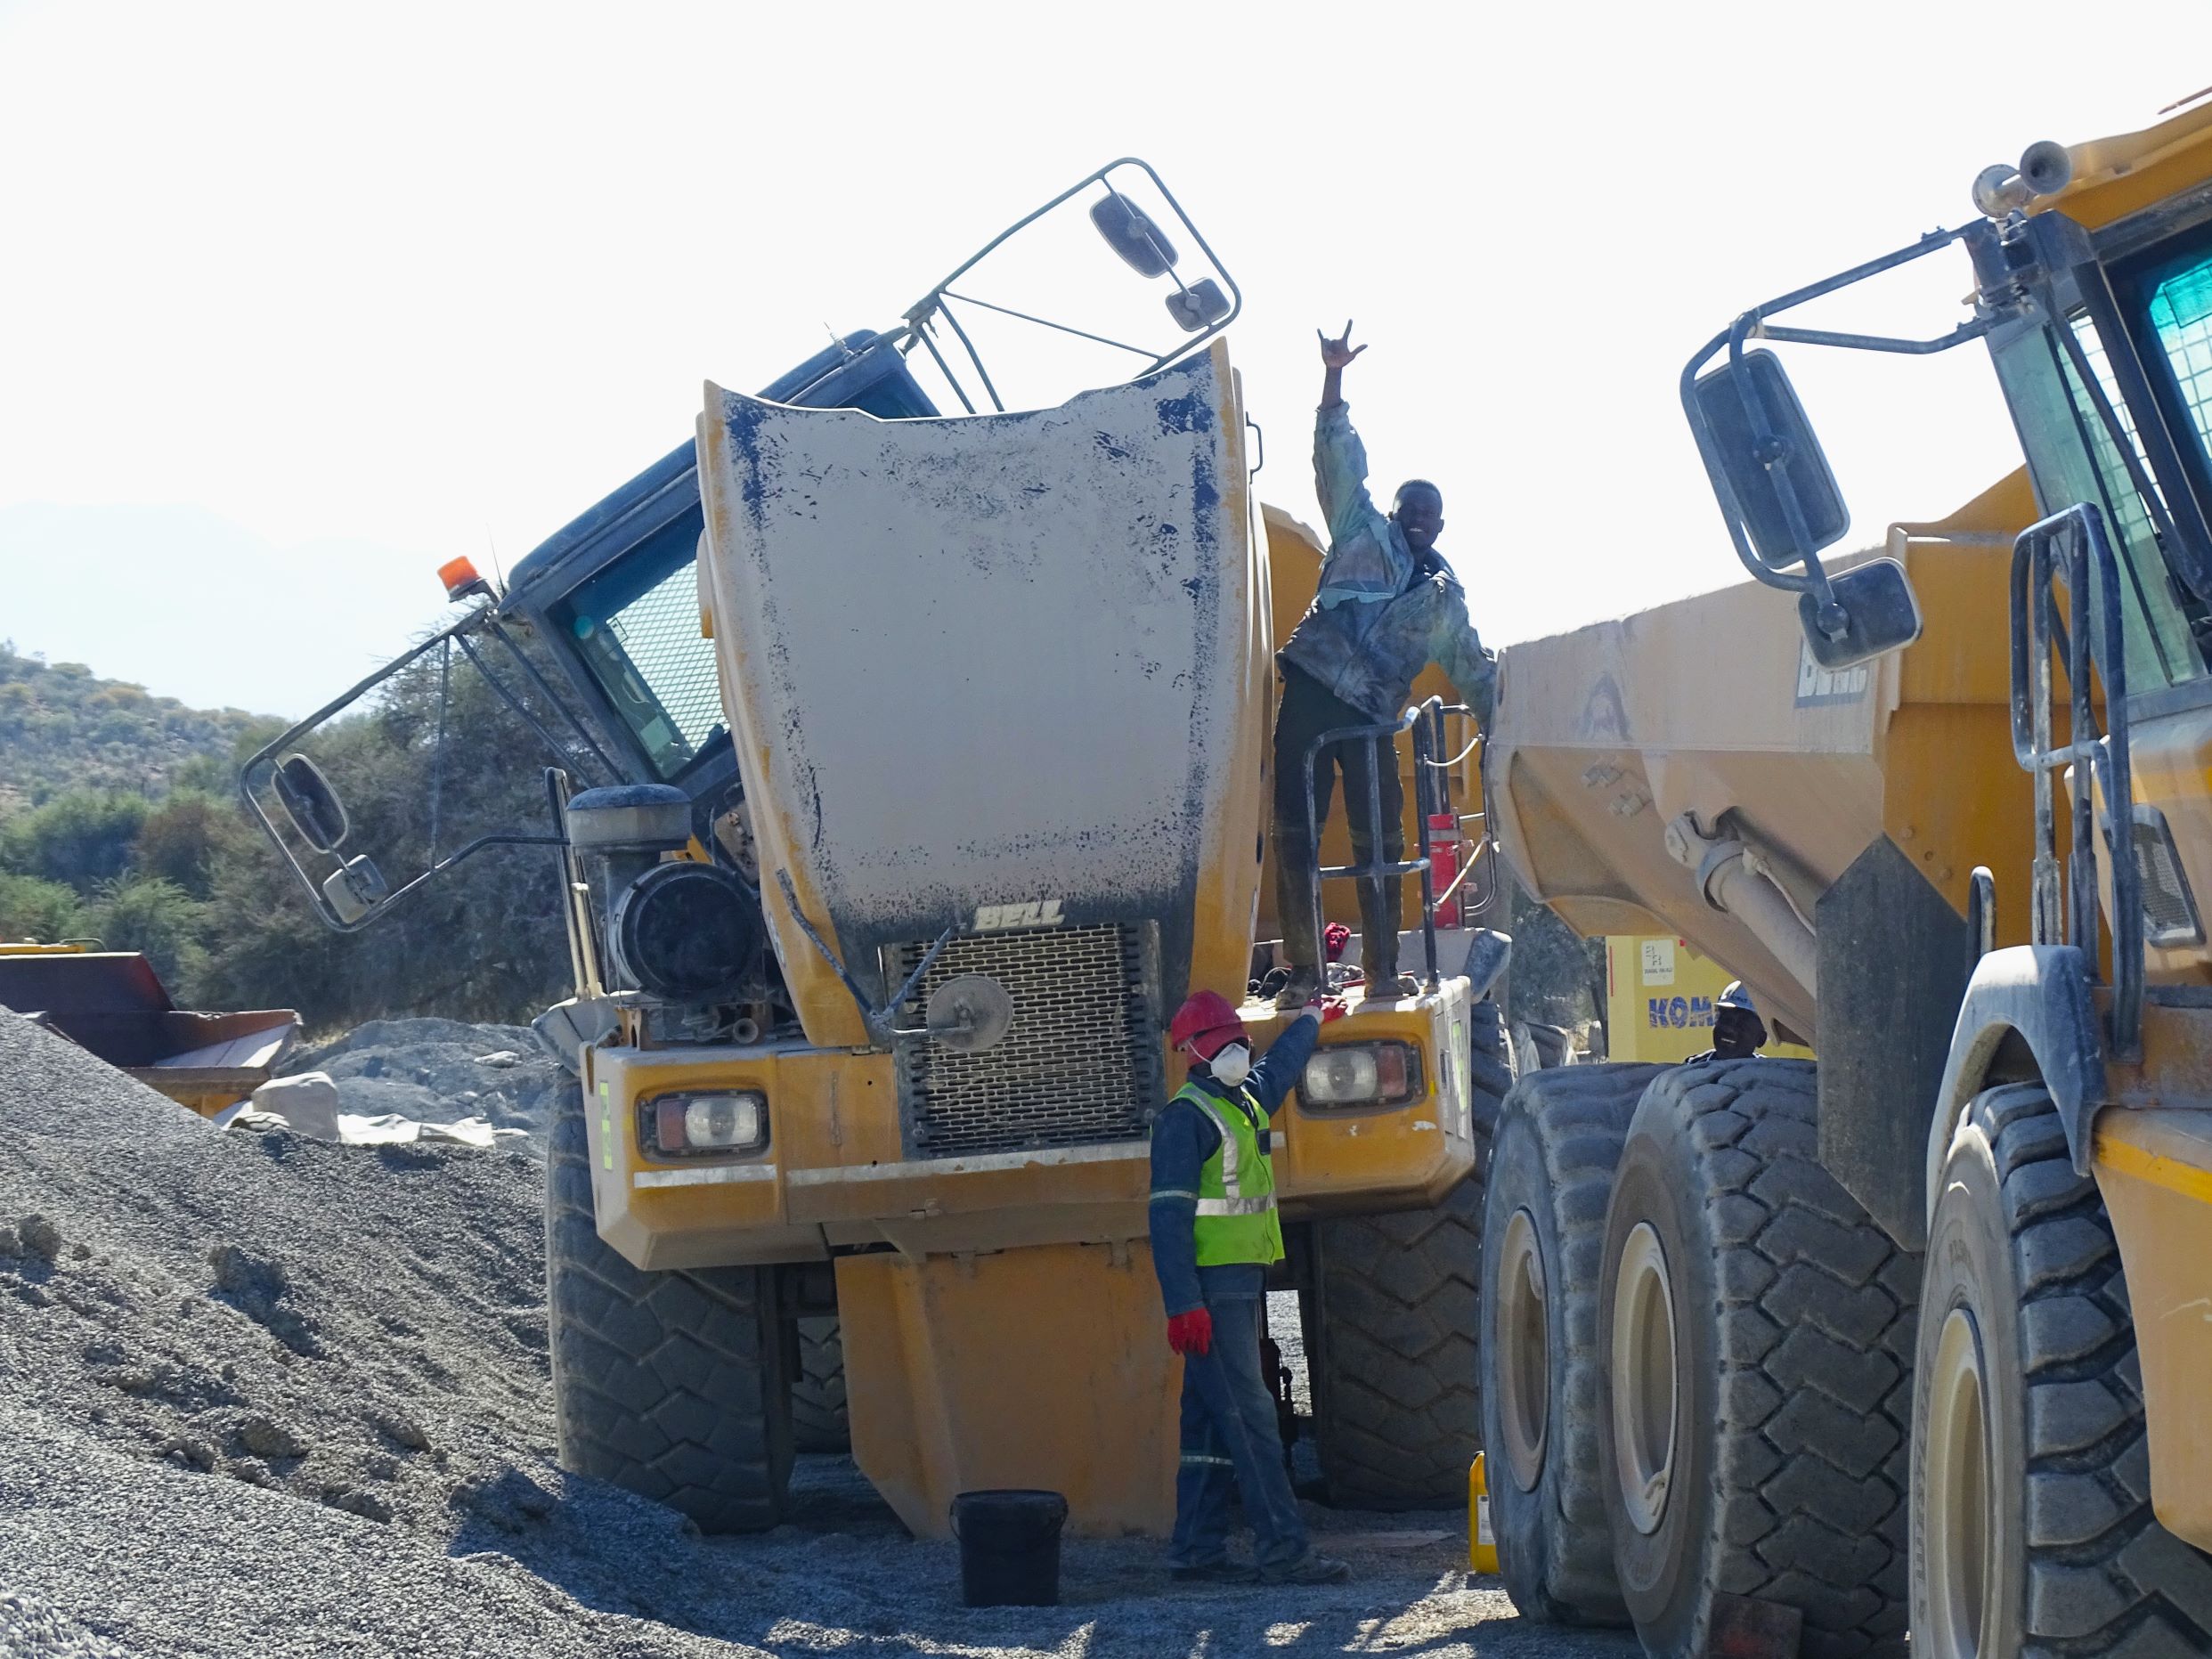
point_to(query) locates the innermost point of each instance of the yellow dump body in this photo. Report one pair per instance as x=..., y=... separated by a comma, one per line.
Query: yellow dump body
x=1712, y=706
x=112, y=1004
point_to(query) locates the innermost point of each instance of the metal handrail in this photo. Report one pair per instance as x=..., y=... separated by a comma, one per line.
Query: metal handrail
x=2072, y=546
x=1425, y=720
x=1436, y=708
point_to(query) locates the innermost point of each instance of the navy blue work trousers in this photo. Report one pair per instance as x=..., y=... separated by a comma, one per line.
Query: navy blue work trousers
x=1230, y=1436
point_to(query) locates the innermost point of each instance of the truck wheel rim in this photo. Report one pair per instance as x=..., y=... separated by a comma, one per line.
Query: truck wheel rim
x=1955, y=1478
x=1643, y=1379
x=1524, y=1377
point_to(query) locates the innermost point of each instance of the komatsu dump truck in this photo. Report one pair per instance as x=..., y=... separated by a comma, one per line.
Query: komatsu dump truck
x=1915, y=1336
x=910, y=772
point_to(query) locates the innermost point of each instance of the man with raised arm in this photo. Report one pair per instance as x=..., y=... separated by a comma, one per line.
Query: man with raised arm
x=1388, y=606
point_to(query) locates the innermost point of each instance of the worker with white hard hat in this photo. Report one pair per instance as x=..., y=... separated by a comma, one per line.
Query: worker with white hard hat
x=1737, y=1030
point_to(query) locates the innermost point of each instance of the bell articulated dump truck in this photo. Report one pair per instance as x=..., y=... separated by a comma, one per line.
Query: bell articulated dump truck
x=910, y=771
x=1918, y=1334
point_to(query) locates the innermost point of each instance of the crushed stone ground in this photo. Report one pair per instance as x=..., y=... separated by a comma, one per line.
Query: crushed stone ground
x=263, y=1396
x=439, y=1071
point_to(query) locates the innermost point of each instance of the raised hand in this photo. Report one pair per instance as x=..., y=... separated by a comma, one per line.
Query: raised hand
x=1337, y=353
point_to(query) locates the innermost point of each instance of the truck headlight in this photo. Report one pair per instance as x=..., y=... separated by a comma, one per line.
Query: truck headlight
x=686, y=1125
x=1361, y=1074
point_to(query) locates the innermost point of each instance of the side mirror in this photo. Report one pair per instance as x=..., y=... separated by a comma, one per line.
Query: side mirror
x=355, y=887
x=1129, y=231
x=311, y=804
x=1765, y=457
x=1199, y=307
x=1869, y=611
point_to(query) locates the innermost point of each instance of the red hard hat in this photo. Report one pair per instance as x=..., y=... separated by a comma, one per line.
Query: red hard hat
x=1206, y=1015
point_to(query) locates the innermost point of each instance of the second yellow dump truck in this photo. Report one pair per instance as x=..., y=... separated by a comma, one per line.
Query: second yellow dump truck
x=1912, y=1342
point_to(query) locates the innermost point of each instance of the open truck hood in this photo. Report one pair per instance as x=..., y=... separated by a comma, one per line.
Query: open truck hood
x=993, y=672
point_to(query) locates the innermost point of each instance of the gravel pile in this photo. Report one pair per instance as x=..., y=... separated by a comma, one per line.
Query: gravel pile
x=438, y=1071
x=264, y=1395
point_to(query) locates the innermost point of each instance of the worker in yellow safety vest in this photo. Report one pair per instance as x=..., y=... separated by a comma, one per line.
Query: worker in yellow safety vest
x=1215, y=1232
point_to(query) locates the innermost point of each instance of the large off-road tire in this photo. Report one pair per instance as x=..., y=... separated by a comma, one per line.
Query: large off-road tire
x=2031, y=1523
x=1543, y=1223
x=1755, y=1332
x=670, y=1383
x=817, y=1388
x=1490, y=1074
x=1389, y=1328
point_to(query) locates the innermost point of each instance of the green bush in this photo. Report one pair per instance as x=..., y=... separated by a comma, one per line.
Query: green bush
x=145, y=913
x=35, y=909
x=181, y=840
x=80, y=839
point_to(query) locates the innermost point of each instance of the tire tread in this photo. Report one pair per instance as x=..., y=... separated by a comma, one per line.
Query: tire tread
x=1578, y=1118
x=2104, y=1576
x=1815, y=1334
x=1391, y=1337
x=669, y=1384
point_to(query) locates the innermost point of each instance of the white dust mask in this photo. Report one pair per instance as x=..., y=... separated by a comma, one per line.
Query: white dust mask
x=1232, y=1064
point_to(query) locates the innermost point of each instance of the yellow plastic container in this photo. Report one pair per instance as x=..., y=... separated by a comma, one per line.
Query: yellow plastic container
x=1482, y=1543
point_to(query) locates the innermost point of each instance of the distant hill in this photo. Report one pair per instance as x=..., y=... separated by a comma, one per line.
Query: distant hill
x=63, y=728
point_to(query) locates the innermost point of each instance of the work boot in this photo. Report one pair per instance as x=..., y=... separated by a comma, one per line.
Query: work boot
x=1222, y=1571
x=1304, y=985
x=1311, y=1568
x=1395, y=985
x=1379, y=960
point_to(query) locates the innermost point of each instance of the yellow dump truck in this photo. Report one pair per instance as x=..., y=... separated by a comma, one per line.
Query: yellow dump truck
x=1915, y=1336
x=927, y=757
x=112, y=1004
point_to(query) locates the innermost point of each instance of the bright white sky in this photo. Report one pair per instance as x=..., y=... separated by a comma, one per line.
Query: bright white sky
x=299, y=301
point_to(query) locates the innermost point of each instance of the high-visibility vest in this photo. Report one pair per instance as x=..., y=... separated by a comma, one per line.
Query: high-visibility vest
x=1236, y=1191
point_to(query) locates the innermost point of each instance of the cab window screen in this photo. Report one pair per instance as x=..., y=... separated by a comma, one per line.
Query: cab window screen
x=2157, y=631
x=2181, y=312
x=637, y=627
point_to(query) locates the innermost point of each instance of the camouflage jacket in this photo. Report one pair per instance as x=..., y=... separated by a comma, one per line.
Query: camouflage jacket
x=1382, y=614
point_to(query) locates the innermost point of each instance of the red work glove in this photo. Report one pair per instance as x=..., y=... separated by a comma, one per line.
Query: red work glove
x=1331, y=1008
x=1191, y=1333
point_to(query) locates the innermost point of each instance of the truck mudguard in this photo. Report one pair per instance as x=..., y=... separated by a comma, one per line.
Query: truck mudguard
x=2041, y=993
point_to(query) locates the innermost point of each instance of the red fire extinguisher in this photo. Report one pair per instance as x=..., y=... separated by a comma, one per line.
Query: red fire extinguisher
x=1443, y=863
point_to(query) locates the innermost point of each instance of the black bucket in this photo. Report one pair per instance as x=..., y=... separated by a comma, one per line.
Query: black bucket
x=1009, y=1547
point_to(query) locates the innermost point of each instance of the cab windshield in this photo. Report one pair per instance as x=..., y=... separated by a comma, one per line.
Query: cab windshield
x=636, y=628
x=2082, y=442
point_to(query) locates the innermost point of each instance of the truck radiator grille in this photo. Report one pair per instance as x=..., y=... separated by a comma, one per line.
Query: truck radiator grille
x=1080, y=1064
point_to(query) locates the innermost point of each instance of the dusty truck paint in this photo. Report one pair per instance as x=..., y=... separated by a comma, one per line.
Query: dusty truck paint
x=968, y=666
x=1012, y=1332
x=1607, y=734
